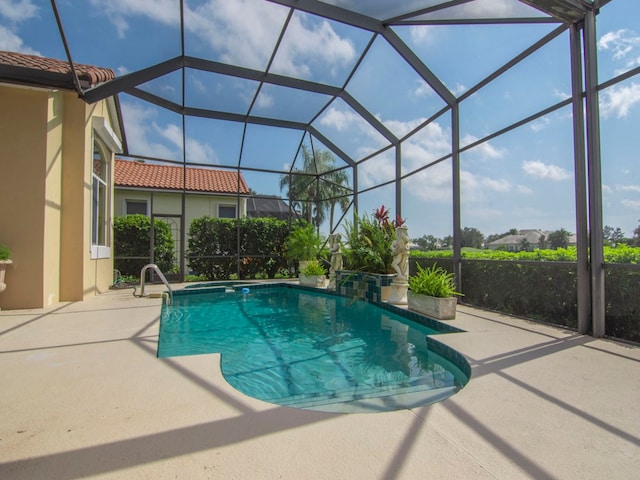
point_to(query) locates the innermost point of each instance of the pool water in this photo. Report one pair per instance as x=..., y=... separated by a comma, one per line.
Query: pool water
x=310, y=350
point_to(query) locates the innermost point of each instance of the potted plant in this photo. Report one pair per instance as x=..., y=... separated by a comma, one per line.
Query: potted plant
x=303, y=243
x=313, y=275
x=5, y=253
x=432, y=292
x=369, y=256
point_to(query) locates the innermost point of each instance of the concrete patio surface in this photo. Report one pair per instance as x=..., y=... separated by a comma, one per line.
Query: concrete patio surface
x=84, y=396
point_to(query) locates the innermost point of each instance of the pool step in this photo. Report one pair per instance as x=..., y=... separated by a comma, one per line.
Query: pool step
x=372, y=398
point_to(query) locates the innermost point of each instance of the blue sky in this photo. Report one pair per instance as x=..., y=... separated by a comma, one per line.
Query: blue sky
x=523, y=179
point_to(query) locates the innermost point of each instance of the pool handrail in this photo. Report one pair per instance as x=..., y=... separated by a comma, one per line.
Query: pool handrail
x=156, y=269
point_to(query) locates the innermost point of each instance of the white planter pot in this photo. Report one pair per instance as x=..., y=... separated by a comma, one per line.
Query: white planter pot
x=318, y=281
x=433, y=307
x=3, y=268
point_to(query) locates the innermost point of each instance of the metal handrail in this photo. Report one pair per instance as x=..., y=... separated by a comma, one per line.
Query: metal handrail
x=155, y=268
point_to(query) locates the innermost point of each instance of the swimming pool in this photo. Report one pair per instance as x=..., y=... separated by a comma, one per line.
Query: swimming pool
x=305, y=349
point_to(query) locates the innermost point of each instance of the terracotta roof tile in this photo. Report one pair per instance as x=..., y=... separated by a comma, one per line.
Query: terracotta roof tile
x=20, y=62
x=148, y=175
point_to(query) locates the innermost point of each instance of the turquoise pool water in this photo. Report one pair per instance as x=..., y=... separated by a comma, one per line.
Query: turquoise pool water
x=304, y=349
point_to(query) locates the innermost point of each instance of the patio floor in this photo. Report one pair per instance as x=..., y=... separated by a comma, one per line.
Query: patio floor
x=84, y=396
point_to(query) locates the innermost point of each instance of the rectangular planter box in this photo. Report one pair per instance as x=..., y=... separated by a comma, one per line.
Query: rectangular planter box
x=433, y=307
x=318, y=281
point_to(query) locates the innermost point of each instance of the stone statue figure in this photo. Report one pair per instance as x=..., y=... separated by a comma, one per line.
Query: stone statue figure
x=400, y=250
x=335, y=248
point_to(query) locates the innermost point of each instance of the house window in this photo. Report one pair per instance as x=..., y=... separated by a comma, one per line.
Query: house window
x=100, y=202
x=132, y=207
x=226, y=211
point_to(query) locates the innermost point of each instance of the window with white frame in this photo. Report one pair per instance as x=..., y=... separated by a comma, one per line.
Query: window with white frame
x=226, y=211
x=136, y=206
x=100, y=201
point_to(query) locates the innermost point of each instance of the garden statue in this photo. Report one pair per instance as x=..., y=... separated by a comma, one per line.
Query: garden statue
x=335, y=248
x=400, y=263
x=400, y=247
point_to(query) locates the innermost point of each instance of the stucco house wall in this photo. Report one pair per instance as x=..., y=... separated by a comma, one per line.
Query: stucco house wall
x=170, y=203
x=45, y=196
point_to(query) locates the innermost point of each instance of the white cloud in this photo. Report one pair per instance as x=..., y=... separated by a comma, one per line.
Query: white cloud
x=423, y=89
x=18, y=10
x=498, y=185
x=264, y=100
x=11, y=42
x=340, y=119
x=195, y=151
x=122, y=70
x=140, y=127
x=199, y=152
x=423, y=34
x=524, y=190
x=540, y=124
x=484, y=150
x=432, y=184
x=633, y=204
x=545, y=171
x=458, y=89
x=163, y=11
x=621, y=42
x=308, y=44
x=629, y=188
x=619, y=99
x=219, y=24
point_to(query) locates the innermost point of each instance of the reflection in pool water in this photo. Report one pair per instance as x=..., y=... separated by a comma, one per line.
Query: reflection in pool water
x=311, y=350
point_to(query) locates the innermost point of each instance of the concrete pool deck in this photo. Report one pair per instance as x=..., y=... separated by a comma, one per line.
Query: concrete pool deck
x=84, y=396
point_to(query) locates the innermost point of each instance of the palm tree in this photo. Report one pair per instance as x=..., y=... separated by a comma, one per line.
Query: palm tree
x=316, y=187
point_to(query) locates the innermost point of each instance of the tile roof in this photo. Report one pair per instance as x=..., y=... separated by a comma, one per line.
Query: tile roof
x=129, y=173
x=35, y=70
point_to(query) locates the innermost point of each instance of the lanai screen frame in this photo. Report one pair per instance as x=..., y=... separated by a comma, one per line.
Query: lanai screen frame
x=576, y=16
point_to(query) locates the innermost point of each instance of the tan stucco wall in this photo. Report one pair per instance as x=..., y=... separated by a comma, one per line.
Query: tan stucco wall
x=23, y=136
x=45, y=197
x=197, y=205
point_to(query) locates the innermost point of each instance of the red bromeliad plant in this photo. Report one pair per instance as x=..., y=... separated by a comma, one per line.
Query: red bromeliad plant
x=370, y=242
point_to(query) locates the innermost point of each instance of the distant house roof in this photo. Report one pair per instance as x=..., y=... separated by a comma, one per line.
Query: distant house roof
x=258, y=207
x=129, y=173
x=48, y=72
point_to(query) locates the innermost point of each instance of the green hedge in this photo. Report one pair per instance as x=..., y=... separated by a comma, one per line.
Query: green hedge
x=132, y=238
x=213, y=247
x=523, y=284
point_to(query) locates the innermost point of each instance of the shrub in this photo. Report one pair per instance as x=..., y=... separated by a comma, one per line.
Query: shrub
x=5, y=253
x=303, y=243
x=213, y=247
x=434, y=281
x=370, y=241
x=132, y=238
x=313, y=268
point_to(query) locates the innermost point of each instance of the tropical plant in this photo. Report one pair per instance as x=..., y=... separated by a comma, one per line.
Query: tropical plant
x=313, y=267
x=5, y=253
x=369, y=242
x=303, y=243
x=316, y=187
x=434, y=281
